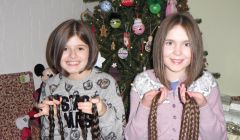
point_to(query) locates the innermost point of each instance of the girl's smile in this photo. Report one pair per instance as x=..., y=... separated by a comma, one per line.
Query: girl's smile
x=176, y=53
x=75, y=58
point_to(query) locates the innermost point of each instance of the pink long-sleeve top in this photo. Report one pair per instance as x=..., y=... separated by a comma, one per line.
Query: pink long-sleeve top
x=212, y=123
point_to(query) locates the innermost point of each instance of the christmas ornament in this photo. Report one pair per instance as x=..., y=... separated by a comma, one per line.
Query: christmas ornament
x=100, y=60
x=126, y=36
x=105, y=6
x=115, y=21
x=155, y=8
x=148, y=44
x=171, y=7
x=103, y=31
x=138, y=27
x=114, y=65
x=122, y=53
x=113, y=46
x=127, y=3
x=126, y=39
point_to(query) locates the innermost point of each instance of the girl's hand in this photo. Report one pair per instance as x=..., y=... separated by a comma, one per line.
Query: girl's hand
x=182, y=93
x=86, y=107
x=147, y=98
x=198, y=97
x=44, y=107
x=101, y=106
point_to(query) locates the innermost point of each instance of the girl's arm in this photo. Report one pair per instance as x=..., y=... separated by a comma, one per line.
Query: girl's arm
x=212, y=123
x=112, y=121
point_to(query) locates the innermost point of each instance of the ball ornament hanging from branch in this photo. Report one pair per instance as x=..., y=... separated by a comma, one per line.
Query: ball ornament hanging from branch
x=127, y=3
x=115, y=20
x=105, y=6
x=138, y=27
x=122, y=53
x=155, y=8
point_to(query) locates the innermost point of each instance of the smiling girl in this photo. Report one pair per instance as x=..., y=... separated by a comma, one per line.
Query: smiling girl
x=178, y=73
x=71, y=53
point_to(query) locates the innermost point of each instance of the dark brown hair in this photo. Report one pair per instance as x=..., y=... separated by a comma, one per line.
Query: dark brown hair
x=51, y=118
x=59, y=38
x=95, y=130
x=190, y=120
x=194, y=70
x=152, y=120
x=189, y=124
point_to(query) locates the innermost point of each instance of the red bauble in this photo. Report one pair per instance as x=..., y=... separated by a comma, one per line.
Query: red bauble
x=127, y=3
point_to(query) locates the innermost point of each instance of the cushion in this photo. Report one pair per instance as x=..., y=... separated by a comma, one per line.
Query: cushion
x=15, y=100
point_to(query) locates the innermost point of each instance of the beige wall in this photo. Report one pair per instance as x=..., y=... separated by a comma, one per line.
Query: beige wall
x=221, y=27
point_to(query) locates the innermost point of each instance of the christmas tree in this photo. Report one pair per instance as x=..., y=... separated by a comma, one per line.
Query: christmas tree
x=125, y=30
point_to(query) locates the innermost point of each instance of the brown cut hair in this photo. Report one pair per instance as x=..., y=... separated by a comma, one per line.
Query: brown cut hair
x=59, y=38
x=189, y=124
x=195, y=69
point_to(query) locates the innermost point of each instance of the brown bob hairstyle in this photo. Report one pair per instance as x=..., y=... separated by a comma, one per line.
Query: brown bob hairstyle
x=195, y=69
x=59, y=38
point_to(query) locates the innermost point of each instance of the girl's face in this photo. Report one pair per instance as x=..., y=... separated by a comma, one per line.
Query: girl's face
x=176, y=53
x=75, y=58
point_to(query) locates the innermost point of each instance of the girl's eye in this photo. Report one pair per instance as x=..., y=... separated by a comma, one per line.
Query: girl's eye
x=65, y=49
x=80, y=49
x=168, y=43
x=187, y=44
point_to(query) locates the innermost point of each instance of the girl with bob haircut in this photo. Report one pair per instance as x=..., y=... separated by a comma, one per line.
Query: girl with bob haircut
x=178, y=99
x=79, y=102
x=59, y=38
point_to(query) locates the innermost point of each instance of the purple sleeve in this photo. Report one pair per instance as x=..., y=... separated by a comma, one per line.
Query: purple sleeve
x=212, y=123
x=138, y=119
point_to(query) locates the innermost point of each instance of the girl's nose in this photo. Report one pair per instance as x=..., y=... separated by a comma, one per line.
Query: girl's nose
x=177, y=50
x=72, y=54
